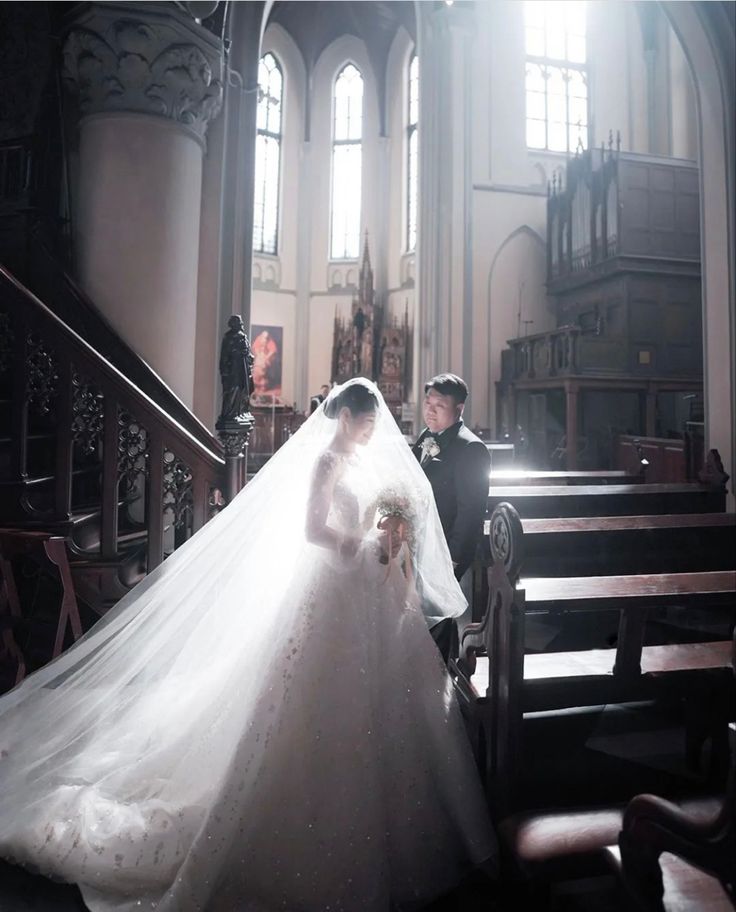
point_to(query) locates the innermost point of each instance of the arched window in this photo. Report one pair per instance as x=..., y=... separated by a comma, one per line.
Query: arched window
x=268, y=156
x=556, y=75
x=347, y=133
x=412, y=160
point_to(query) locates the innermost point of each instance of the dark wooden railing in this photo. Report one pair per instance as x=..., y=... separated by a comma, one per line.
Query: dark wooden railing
x=77, y=437
x=49, y=281
x=542, y=355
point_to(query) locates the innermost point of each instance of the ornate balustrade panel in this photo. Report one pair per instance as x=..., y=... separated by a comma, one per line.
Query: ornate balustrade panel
x=545, y=355
x=76, y=435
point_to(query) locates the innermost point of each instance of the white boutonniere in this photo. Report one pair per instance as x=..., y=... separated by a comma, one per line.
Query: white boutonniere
x=430, y=449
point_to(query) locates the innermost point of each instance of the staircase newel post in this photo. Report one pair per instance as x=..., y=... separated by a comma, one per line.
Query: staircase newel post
x=236, y=421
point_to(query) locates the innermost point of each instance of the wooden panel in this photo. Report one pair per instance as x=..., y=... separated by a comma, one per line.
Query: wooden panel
x=611, y=500
x=666, y=458
x=599, y=592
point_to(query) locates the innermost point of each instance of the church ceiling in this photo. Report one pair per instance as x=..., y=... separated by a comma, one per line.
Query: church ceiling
x=315, y=25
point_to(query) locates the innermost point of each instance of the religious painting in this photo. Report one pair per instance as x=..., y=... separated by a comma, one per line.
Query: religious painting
x=266, y=343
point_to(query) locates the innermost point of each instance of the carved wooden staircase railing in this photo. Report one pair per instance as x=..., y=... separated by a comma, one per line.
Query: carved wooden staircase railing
x=87, y=455
x=45, y=275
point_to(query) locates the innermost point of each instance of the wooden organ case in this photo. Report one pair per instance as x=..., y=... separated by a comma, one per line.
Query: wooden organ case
x=623, y=267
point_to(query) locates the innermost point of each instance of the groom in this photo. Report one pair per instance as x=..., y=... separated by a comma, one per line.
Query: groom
x=457, y=464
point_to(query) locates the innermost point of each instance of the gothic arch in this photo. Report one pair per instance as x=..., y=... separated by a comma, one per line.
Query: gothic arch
x=707, y=40
x=523, y=231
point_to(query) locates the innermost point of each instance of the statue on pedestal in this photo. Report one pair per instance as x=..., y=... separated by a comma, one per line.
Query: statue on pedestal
x=236, y=362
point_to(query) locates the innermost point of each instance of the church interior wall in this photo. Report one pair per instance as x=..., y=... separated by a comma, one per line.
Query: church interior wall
x=278, y=42
x=322, y=309
x=331, y=283
x=275, y=277
x=272, y=308
x=683, y=130
x=345, y=49
x=397, y=111
x=717, y=156
x=508, y=188
x=510, y=180
x=155, y=194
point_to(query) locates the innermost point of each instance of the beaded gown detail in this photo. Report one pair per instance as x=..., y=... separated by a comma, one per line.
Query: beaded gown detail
x=316, y=763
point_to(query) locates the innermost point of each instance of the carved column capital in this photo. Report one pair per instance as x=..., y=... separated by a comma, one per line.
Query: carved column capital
x=144, y=58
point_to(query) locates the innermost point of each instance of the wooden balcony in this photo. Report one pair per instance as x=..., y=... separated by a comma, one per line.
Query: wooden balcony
x=543, y=355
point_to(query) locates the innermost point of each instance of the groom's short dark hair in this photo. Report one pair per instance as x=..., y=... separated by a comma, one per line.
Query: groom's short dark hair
x=448, y=385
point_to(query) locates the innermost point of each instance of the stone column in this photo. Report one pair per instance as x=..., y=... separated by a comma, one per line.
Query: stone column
x=304, y=275
x=443, y=334
x=147, y=81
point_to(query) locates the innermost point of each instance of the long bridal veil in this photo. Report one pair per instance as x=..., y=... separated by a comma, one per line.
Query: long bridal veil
x=130, y=731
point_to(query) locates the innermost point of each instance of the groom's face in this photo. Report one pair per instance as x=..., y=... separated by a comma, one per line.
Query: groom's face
x=440, y=412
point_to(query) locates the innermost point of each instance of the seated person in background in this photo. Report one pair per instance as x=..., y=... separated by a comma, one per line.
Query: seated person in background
x=316, y=401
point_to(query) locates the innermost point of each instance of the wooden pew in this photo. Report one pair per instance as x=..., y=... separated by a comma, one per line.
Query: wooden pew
x=553, y=501
x=496, y=690
x=505, y=477
x=602, y=545
x=661, y=844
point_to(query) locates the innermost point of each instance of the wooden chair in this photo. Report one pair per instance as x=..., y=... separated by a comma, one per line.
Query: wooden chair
x=48, y=550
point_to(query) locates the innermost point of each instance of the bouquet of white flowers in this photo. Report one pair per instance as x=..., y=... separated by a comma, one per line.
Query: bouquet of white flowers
x=397, y=515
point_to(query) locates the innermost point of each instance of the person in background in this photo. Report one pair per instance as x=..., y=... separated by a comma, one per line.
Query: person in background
x=457, y=464
x=316, y=401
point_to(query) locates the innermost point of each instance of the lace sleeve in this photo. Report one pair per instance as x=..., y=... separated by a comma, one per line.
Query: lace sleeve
x=325, y=475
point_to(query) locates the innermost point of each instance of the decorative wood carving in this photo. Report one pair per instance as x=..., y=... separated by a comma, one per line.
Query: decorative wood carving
x=713, y=472
x=178, y=492
x=133, y=445
x=371, y=344
x=87, y=415
x=42, y=377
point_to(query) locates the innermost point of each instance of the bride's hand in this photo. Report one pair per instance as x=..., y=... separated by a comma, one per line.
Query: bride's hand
x=393, y=534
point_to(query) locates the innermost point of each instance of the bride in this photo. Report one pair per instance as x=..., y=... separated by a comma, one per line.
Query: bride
x=264, y=723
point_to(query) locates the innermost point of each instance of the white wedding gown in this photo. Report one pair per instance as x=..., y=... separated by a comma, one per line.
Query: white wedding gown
x=313, y=761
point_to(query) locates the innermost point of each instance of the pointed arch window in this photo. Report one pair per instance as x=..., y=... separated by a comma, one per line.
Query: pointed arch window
x=268, y=155
x=347, y=135
x=412, y=151
x=556, y=75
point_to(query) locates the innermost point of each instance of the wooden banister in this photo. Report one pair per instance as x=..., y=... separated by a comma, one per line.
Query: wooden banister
x=52, y=369
x=50, y=281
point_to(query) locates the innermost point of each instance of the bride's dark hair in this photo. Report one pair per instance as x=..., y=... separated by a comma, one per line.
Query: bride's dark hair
x=356, y=397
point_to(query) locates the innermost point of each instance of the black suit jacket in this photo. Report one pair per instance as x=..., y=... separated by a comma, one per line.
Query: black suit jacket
x=459, y=479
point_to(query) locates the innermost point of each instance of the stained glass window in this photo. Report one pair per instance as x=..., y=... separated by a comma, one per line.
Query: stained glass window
x=556, y=75
x=347, y=136
x=268, y=156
